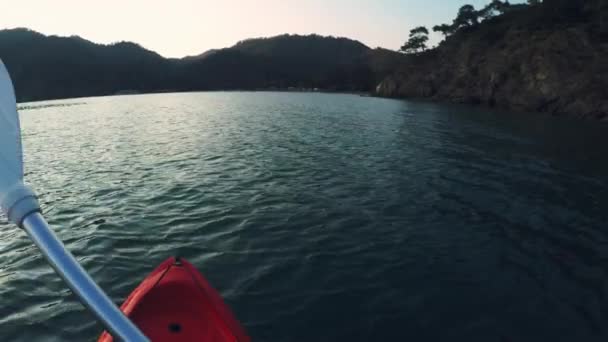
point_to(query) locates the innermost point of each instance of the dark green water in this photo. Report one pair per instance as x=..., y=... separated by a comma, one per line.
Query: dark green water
x=321, y=217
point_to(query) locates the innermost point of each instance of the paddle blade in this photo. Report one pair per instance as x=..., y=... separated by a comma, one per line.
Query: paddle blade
x=16, y=200
x=11, y=158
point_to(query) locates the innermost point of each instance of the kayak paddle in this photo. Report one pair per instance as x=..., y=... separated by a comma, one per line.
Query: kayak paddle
x=21, y=206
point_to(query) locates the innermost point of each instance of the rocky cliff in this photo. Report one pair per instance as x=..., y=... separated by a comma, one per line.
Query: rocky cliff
x=550, y=58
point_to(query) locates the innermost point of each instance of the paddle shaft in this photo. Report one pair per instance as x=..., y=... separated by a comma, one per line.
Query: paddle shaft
x=64, y=263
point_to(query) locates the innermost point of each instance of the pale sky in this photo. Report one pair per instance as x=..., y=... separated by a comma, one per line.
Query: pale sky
x=176, y=28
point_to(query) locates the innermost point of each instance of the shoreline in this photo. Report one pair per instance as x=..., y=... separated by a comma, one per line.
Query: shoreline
x=320, y=91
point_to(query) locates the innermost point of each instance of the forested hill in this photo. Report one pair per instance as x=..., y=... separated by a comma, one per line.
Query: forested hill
x=50, y=67
x=549, y=56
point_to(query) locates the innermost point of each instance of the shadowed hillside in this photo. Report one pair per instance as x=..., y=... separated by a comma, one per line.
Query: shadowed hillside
x=49, y=67
x=549, y=57
x=58, y=67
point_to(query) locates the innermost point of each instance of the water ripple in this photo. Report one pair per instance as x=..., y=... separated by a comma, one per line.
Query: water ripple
x=321, y=217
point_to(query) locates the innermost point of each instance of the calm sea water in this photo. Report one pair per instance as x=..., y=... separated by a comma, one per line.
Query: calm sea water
x=321, y=217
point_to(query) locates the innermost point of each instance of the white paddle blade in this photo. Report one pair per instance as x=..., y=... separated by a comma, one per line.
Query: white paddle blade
x=16, y=200
x=11, y=155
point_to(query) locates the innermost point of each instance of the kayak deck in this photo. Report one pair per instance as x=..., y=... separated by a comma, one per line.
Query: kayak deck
x=175, y=303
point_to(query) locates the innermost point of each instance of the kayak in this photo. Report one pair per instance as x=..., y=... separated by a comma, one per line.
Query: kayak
x=176, y=303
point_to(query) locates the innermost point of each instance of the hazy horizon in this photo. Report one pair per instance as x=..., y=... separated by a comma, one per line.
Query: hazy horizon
x=188, y=27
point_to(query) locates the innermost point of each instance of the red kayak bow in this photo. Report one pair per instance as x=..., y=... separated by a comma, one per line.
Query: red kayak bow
x=175, y=303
